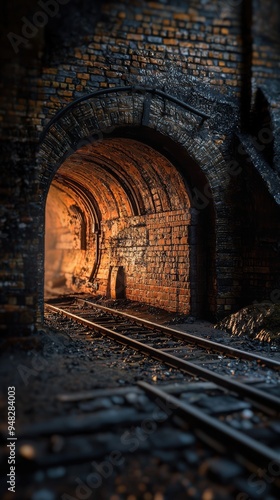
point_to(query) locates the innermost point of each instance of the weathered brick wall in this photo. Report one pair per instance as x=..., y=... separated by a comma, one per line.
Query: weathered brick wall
x=207, y=53
x=168, y=44
x=265, y=69
x=265, y=43
x=21, y=271
x=153, y=251
x=260, y=238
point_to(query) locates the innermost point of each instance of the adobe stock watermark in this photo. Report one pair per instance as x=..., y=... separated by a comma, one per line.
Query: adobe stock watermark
x=261, y=480
x=234, y=3
x=130, y=440
x=50, y=8
x=38, y=362
x=274, y=299
x=98, y=135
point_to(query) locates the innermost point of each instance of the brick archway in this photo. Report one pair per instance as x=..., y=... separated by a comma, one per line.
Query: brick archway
x=176, y=132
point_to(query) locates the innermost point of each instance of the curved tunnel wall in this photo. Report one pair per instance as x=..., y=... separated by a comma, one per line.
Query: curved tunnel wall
x=136, y=242
x=70, y=237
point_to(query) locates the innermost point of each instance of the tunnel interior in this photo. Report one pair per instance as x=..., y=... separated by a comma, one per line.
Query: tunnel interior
x=119, y=223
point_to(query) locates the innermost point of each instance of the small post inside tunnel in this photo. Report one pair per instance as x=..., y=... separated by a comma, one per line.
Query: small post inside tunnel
x=118, y=225
x=116, y=283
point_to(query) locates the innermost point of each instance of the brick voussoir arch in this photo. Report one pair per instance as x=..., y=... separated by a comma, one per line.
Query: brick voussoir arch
x=97, y=117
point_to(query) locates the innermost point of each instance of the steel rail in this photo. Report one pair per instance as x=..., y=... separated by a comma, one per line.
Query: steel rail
x=215, y=346
x=240, y=443
x=128, y=88
x=268, y=402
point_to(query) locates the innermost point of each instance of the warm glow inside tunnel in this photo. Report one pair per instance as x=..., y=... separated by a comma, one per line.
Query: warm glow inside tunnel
x=117, y=220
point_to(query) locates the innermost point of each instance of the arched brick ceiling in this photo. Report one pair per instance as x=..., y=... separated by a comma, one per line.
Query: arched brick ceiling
x=125, y=177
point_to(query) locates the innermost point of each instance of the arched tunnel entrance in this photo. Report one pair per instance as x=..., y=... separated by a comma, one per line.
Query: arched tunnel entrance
x=120, y=223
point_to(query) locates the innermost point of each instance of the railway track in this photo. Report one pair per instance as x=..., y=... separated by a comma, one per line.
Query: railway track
x=156, y=340
x=123, y=322
x=161, y=343
x=218, y=429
